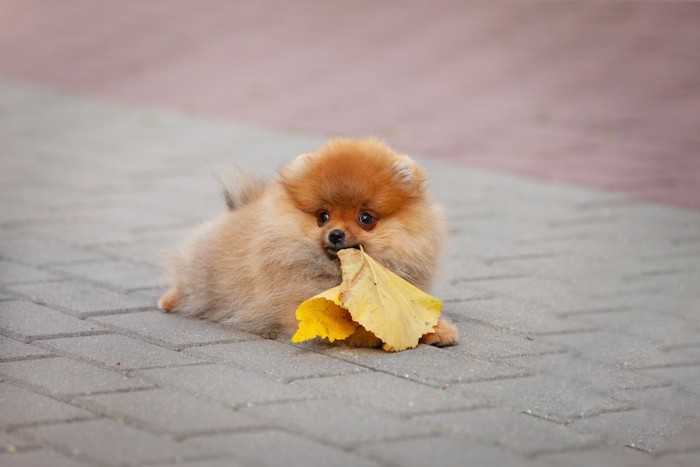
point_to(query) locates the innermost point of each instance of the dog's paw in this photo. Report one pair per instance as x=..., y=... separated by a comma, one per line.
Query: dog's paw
x=445, y=334
x=362, y=338
x=170, y=299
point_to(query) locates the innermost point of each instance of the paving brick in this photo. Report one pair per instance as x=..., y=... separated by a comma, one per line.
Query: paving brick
x=419, y=365
x=277, y=360
x=668, y=398
x=11, y=349
x=41, y=457
x=168, y=411
x=20, y=407
x=219, y=461
x=504, y=312
x=112, y=443
x=117, y=351
x=642, y=429
x=609, y=456
x=28, y=321
x=337, y=422
x=477, y=340
x=172, y=330
x=290, y=450
x=11, y=273
x=447, y=450
x=232, y=386
x=548, y=397
x=42, y=252
x=686, y=377
x=405, y=397
x=687, y=440
x=124, y=275
x=63, y=377
x=80, y=298
x=513, y=430
x=604, y=377
x=608, y=347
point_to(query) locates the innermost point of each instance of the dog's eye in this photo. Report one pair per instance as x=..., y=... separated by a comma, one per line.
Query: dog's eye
x=365, y=218
x=323, y=217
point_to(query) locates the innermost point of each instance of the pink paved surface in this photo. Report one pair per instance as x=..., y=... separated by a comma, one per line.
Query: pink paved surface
x=599, y=94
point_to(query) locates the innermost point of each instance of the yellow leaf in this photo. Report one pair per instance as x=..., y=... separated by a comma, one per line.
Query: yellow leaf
x=393, y=309
x=381, y=302
x=321, y=316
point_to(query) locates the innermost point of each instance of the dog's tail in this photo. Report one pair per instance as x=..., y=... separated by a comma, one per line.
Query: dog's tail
x=241, y=187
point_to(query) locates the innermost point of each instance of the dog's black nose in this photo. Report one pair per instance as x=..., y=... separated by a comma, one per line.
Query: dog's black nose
x=336, y=237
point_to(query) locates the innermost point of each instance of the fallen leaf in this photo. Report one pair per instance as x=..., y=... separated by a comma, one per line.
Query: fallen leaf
x=377, y=299
x=321, y=316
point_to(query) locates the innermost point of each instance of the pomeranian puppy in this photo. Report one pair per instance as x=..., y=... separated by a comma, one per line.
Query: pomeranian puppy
x=277, y=245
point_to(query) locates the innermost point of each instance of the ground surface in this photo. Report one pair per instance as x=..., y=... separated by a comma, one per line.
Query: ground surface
x=578, y=307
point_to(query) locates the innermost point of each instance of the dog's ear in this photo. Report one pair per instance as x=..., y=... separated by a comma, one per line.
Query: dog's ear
x=408, y=173
x=297, y=165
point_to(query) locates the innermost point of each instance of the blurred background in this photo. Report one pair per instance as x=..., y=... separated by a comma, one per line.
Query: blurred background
x=602, y=94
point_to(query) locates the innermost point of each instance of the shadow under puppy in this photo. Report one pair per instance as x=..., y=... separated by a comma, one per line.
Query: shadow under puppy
x=277, y=245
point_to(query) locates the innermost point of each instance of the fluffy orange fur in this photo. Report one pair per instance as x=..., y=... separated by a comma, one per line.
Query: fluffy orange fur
x=252, y=266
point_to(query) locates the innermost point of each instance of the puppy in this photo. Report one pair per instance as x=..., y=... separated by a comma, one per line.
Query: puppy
x=277, y=245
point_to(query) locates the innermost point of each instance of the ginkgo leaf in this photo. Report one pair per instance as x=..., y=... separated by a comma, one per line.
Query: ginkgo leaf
x=395, y=310
x=381, y=302
x=322, y=316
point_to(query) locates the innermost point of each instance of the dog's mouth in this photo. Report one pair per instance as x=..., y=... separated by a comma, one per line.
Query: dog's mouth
x=332, y=251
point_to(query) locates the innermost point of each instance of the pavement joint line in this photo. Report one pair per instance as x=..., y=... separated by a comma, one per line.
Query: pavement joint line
x=25, y=358
x=594, y=311
x=470, y=299
x=490, y=261
x=47, y=337
x=460, y=280
x=23, y=426
x=591, y=415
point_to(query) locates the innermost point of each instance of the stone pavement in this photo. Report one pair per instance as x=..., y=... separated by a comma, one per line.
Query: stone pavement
x=578, y=311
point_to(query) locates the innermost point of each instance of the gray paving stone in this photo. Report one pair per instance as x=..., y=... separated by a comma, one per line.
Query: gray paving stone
x=552, y=398
x=64, y=377
x=12, y=273
x=668, y=398
x=419, y=364
x=281, y=361
x=221, y=383
x=687, y=440
x=84, y=233
x=11, y=349
x=168, y=411
x=337, y=422
x=608, y=456
x=9, y=443
x=608, y=347
x=602, y=376
x=405, y=397
x=289, y=450
x=504, y=312
x=20, y=407
x=40, y=252
x=114, y=350
x=513, y=430
x=447, y=450
x=643, y=429
x=477, y=340
x=79, y=298
x=124, y=275
x=172, y=330
x=686, y=377
x=220, y=461
x=112, y=443
x=27, y=321
x=41, y=457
